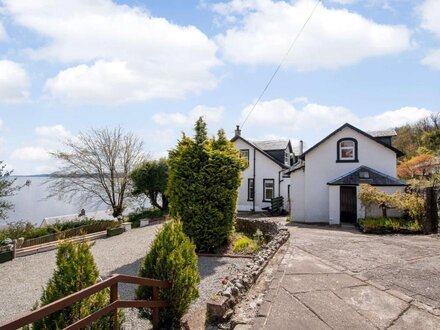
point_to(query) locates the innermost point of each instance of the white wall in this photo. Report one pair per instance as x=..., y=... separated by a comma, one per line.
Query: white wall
x=297, y=195
x=321, y=167
x=265, y=169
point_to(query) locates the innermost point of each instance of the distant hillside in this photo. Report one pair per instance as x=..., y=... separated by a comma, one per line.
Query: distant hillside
x=420, y=138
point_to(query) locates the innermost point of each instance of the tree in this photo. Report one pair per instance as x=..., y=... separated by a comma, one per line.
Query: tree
x=96, y=166
x=203, y=186
x=421, y=166
x=75, y=270
x=150, y=178
x=7, y=189
x=172, y=257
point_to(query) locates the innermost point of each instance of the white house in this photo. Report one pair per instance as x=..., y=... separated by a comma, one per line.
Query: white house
x=325, y=181
x=265, y=176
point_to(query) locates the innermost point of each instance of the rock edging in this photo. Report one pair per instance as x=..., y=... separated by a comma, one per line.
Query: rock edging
x=219, y=307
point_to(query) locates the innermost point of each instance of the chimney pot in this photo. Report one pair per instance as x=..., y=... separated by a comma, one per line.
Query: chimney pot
x=301, y=147
x=238, y=130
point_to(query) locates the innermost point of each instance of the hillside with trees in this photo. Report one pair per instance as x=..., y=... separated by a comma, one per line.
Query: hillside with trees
x=421, y=144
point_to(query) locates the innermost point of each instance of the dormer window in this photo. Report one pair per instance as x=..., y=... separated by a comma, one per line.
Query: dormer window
x=286, y=157
x=347, y=150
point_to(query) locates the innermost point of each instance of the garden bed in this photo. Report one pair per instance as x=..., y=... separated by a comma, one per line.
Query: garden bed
x=389, y=226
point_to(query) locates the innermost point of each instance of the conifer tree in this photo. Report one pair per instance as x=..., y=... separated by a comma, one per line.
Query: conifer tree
x=204, y=178
x=171, y=257
x=75, y=270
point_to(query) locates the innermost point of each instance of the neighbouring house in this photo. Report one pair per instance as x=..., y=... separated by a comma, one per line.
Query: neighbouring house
x=324, y=183
x=266, y=175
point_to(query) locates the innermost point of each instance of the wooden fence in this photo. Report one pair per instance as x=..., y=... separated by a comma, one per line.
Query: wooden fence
x=87, y=229
x=115, y=303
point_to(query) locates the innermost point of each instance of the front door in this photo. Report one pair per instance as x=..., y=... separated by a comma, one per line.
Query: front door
x=348, y=202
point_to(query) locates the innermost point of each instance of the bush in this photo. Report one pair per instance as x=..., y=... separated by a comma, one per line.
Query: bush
x=27, y=230
x=172, y=257
x=389, y=224
x=75, y=270
x=245, y=244
x=203, y=187
x=152, y=213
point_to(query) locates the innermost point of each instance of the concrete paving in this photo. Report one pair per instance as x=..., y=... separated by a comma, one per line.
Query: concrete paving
x=341, y=279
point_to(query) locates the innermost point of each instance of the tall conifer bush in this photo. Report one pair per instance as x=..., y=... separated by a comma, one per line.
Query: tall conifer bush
x=172, y=257
x=203, y=186
x=75, y=270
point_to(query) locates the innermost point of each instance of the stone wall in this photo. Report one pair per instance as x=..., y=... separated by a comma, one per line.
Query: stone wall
x=220, y=306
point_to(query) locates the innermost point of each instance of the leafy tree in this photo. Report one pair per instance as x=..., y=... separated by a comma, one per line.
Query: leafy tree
x=431, y=141
x=421, y=166
x=95, y=167
x=203, y=186
x=150, y=178
x=7, y=189
x=75, y=270
x=172, y=257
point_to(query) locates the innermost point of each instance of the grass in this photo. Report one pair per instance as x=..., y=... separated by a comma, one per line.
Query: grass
x=389, y=224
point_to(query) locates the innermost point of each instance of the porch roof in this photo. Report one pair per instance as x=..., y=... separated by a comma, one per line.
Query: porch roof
x=365, y=174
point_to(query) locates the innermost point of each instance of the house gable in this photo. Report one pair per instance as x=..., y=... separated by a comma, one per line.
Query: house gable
x=372, y=138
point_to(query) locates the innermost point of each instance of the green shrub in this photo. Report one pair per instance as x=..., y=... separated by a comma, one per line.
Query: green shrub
x=389, y=224
x=242, y=243
x=203, y=184
x=171, y=257
x=27, y=230
x=258, y=237
x=152, y=213
x=75, y=270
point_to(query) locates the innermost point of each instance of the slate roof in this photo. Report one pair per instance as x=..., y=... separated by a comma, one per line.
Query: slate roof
x=397, y=151
x=260, y=150
x=365, y=174
x=383, y=133
x=271, y=144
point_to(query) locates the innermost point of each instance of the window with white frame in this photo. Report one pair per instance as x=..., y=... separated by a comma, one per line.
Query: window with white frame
x=268, y=189
x=286, y=157
x=347, y=150
x=251, y=189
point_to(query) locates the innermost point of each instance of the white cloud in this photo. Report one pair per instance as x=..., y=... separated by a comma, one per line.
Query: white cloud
x=317, y=118
x=116, y=53
x=210, y=114
x=3, y=35
x=14, y=82
x=31, y=154
x=333, y=38
x=53, y=132
x=429, y=12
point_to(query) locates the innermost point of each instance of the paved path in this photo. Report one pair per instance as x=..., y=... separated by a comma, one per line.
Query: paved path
x=342, y=279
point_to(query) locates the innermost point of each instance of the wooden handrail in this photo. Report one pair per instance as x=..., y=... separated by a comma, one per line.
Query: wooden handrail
x=115, y=303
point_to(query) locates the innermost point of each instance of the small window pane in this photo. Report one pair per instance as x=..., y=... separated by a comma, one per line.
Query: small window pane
x=269, y=194
x=347, y=144
x=347, y=153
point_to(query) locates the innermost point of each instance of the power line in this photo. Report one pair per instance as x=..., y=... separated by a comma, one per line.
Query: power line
x=282, y=61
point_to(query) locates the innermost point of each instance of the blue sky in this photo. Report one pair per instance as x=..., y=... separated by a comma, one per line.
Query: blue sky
x=153, y=67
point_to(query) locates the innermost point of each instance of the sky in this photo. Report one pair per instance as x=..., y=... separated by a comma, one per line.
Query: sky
x=153, y=67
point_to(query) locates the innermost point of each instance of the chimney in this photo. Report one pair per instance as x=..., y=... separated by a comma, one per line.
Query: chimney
x=301, y=147
x=238, y=131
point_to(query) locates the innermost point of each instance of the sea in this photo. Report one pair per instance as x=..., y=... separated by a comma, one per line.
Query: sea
x=31, y=203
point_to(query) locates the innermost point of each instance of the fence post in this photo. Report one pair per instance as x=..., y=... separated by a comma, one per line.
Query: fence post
x=113, y=298
x=14, y=249
x=155, y=309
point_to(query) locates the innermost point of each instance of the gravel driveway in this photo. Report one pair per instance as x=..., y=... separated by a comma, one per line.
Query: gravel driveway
x=23, y=279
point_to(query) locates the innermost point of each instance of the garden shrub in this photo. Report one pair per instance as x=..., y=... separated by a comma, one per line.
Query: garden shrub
x=245, y=244
x=203, y=184
x=75, y=270
x=152, y=213
x=171, y=257
x=389, y=224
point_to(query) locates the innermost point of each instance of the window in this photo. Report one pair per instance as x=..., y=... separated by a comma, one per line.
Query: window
x=268, y=189
x=244, y=153
x=251, y=189
x=286, y=158
x=347, y=150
